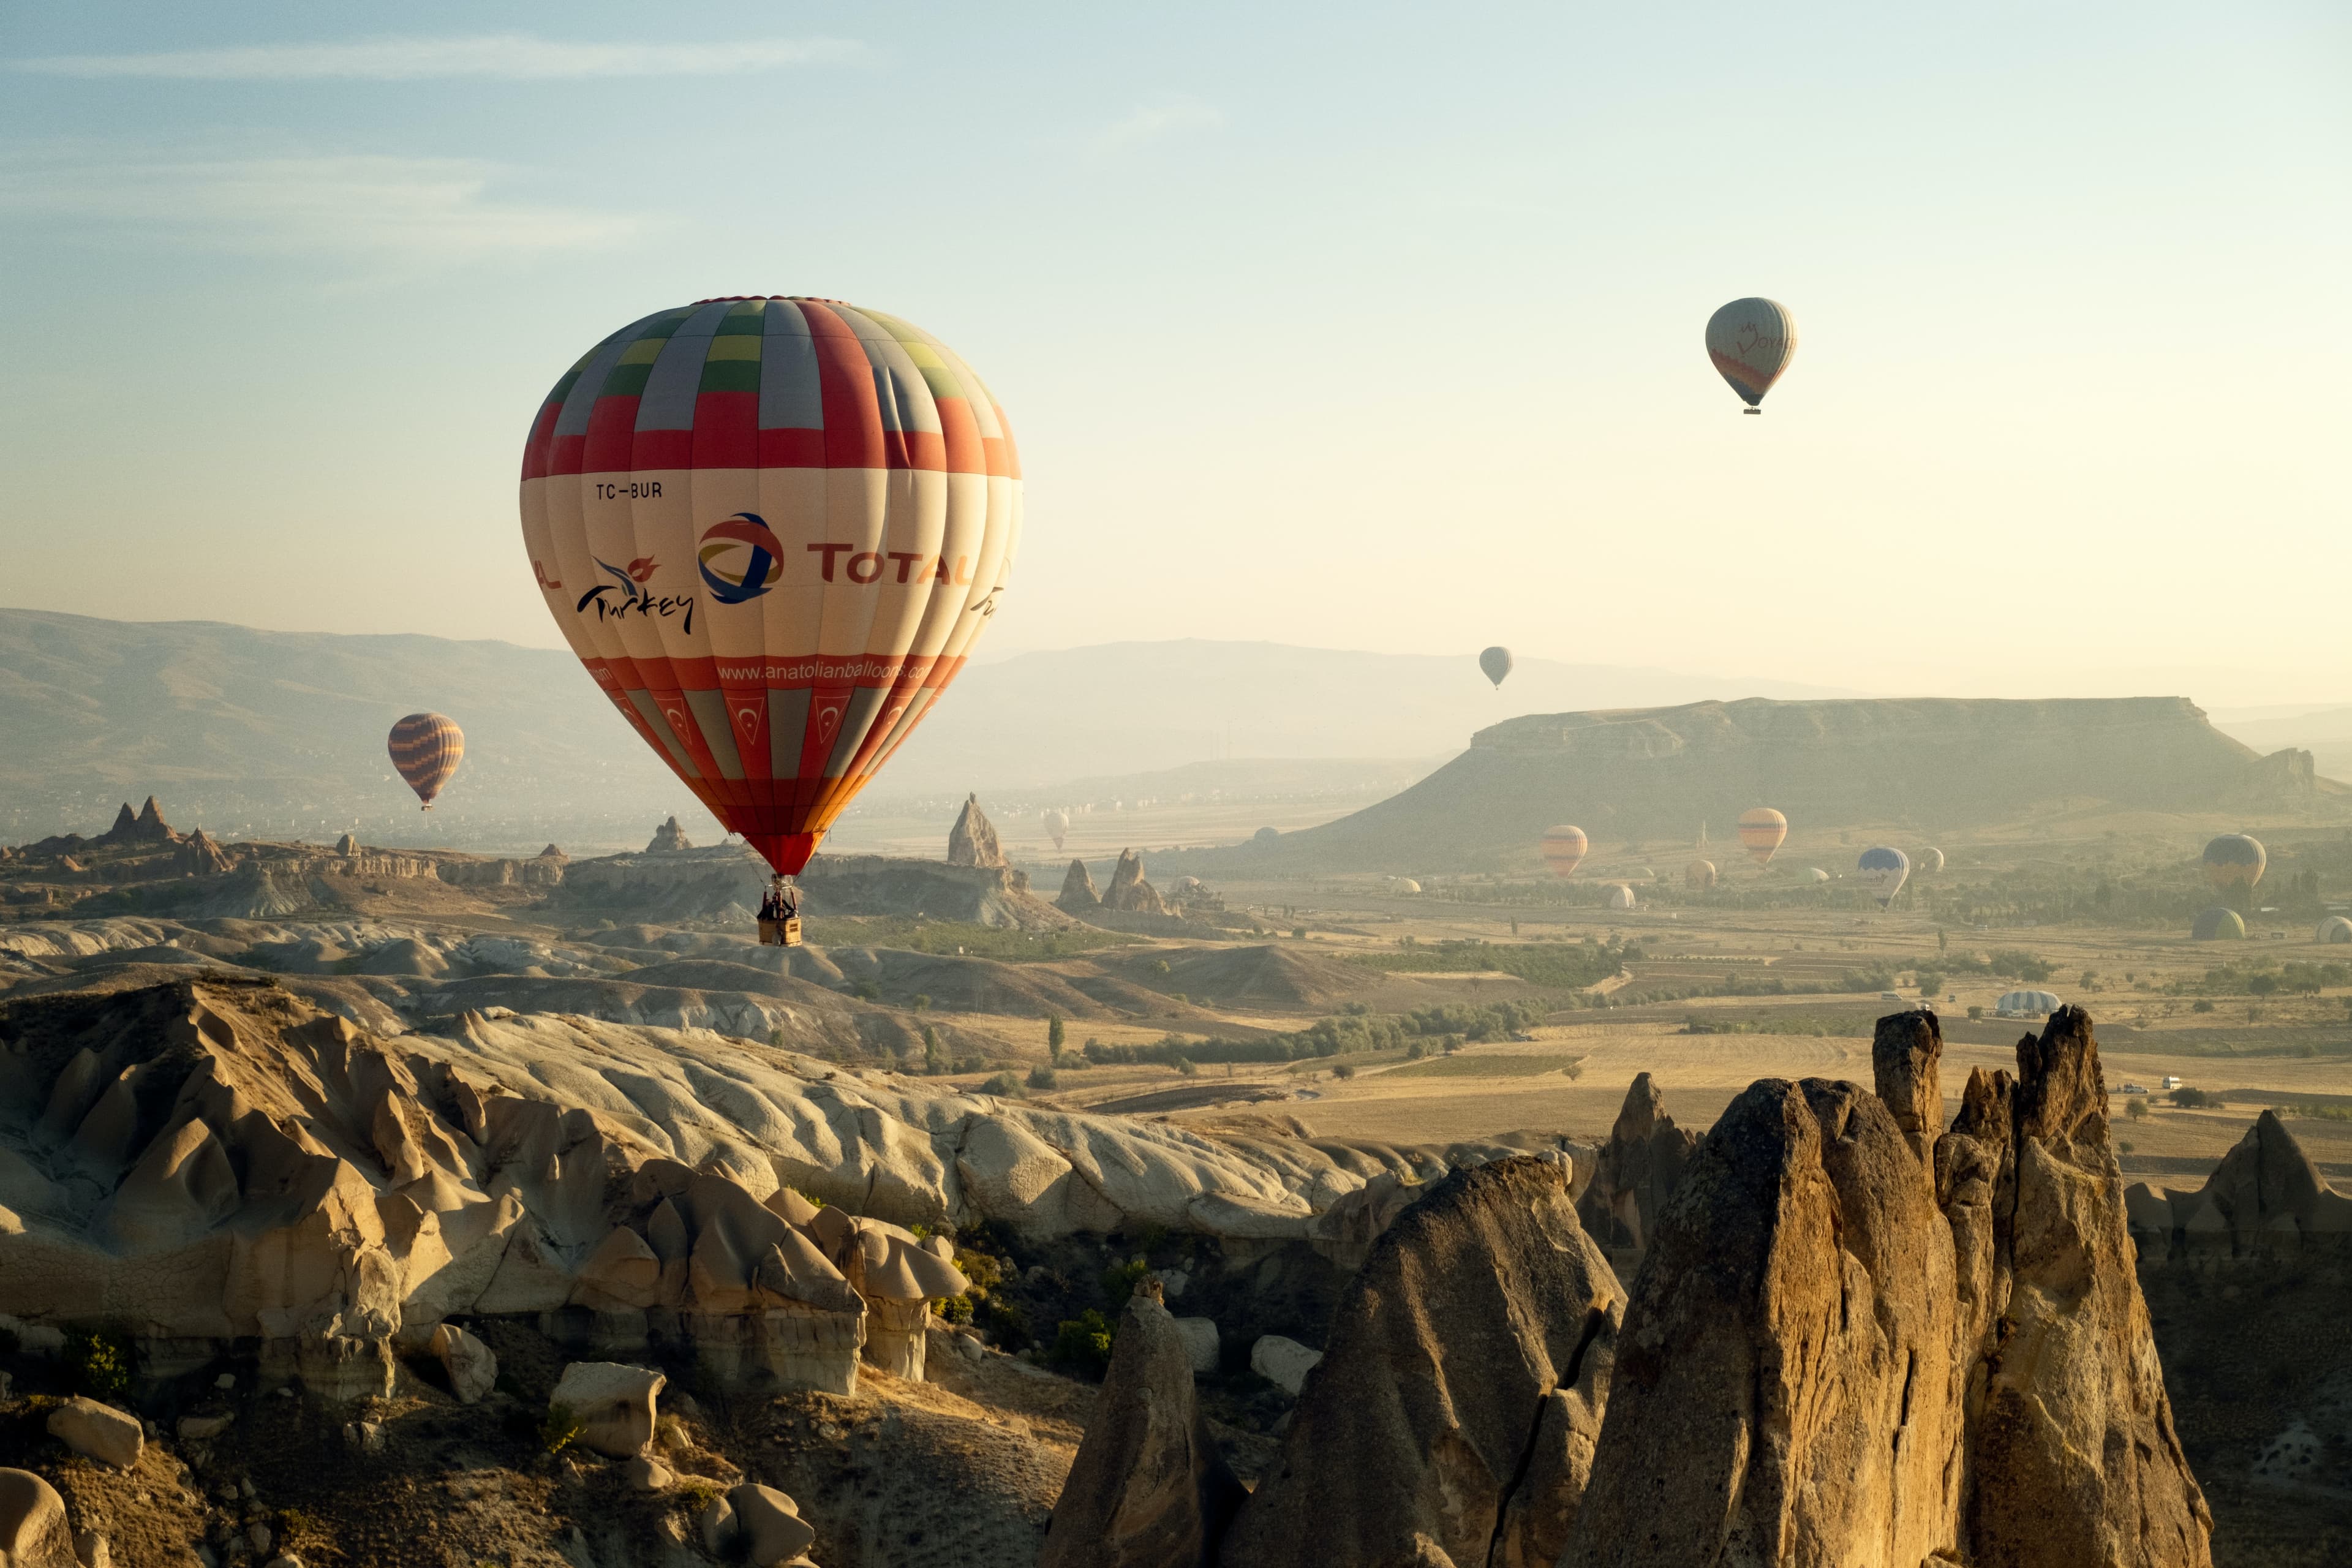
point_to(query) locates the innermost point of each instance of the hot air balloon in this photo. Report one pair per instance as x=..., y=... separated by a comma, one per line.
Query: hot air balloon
x=2331, y=930
x=773, y=528
x=1815, y=874
x=1563, y=849
x=426, y=750
x=1057, y=822
x=2216, y=924
x=1497, y=663
x=2233, y=864
x=1881, y=870
x=1700, y=875
x=1931, y=860
x=1750, y=342
x=1621, y=897
x=1761, y=833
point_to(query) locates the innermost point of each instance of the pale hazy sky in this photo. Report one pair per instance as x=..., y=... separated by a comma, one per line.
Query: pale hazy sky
x=1353, y=326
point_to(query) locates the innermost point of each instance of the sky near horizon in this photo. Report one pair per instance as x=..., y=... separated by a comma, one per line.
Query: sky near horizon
x=1369, y=327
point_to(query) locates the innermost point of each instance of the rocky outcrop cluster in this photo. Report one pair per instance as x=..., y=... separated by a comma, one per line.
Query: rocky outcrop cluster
x=669, y=838
x=202, y=856
x=2267, y=1200
x=1129, y=893
x=1855, y=1336
x=147, y=827
x=215, y=1160
x=972, y=840
x=1078, y=894
x=1634, y=1174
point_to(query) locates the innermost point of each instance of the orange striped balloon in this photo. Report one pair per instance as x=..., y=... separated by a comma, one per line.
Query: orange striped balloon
x=1761, y=833
x=426, y=750
x=1563, y=849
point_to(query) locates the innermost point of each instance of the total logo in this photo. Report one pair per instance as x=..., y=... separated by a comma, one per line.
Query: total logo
x=739, y=558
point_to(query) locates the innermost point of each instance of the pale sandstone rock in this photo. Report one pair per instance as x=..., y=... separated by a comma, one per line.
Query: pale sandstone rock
x=1635, y=1172
x=472, y=1367
x=1785, y=1371
x=972, y=840
x=99, y=1431
x=1283, y=1362
x=769, y=1525
x=33, y=1530
x=1200, y=1343
x=1078, y=893
x=613, y=1403
x=1428, y=1434
x=1148, y=1489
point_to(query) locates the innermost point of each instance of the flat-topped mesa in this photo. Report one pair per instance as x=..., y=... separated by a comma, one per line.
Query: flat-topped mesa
x=972, y=840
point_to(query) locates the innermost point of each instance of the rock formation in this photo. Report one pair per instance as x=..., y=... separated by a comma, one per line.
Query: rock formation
x=1148, y=1489
x=1129, y=893
x=1929, y=1359
x=1453, y=1417
x=1078, y=893
x=669, y=838
x=1635, y=1173
x=614, y=1406
x=1786, y=1371
x=972, y=840
x=147, y=827
x=34, y=1533
x=213, y=1160
x=202, y=856
x=2266, y=1200
x=349, y=844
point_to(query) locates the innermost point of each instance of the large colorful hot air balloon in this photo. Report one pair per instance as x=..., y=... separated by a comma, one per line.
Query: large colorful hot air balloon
x=2233, y=863
x=772, y=528
x=2216, y=924
x=426, y=750
x=1881, y=870
x=1761, y=833
x=1057, y=823
x=1497, y=663
x=1750, y=342
x=1563, y=849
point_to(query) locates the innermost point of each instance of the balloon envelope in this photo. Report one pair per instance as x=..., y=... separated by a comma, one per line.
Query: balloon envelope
x=1563, y=849
x=1057, y=822
x=1883, y=870
x=2234, y=860
x=1497, y=663
x=1750, y=342
x=1621, y=897
x=772, y=528
x=2217, y=924
x=2333, y=929
x=1761, y=833
x=1699, y=874
x=1931, y=860
x=426, y=750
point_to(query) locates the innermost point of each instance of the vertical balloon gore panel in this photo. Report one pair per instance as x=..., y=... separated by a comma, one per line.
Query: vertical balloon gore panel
x=772, y=530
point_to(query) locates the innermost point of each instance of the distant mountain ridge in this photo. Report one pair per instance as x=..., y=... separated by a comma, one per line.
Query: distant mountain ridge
x=1928, y=764
x=282, y=734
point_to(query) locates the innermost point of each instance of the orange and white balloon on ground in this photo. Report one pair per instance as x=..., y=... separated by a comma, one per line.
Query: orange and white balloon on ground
x=1761, y=831
x=772, y=528
x=425, y=751
x=1563, y=849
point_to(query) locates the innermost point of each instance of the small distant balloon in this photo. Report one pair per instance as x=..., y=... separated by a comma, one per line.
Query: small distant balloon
x=1563, y=849
x=1700, y=875
x=2234, y=860
x=426, y=750
x=1750, y=342
x=1057, y=824
x=2333, y=929
x=1815, y=874
x=1761, y=831
x=1621, y=897
x=1931, y=860
x=1497, y=663
x=1883, y=871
